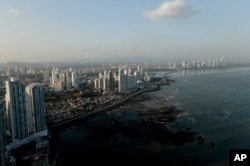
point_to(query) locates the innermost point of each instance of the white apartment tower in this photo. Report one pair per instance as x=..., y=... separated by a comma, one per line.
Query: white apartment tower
x=75, y=80
x=100, y=83
x=222, y=62
x=46, y=77
x=105, y=82
x=126, y=79
x=122, y=80
x=35, y=108
x=16, y=112
x=54, y=77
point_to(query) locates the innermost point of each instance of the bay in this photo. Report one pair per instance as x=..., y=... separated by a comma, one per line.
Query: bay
x=214, y=104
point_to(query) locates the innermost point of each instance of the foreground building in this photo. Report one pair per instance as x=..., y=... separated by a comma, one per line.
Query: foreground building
x=2, y=134
x=25, y=114
x=16, y=112
x=35, y=108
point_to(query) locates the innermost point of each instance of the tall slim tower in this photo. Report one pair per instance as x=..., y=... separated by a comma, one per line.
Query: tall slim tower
x=111, y=81
x=46, y=75
x=16, y=111
x=2, y=134
x=75, y=80
x=35, y=108
x=122, y=80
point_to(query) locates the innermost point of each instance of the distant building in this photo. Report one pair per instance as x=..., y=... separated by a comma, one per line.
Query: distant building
x=111, y=81
x=46, y=75
x=105, y=82
x=184, y=64
x=122, y=80
x=75, y=80
x=54, y=77
x=58, y=85
x=140, y=72
x=222, y=62
x=147, y=77
x=127, y=79
x=68, y=81
x=63, y=81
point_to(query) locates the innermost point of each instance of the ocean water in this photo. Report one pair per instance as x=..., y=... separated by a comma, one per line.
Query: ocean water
x=215, y=104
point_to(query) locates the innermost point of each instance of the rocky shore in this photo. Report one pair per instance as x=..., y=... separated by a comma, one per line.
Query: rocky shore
x=146, y=132
x=150, y=125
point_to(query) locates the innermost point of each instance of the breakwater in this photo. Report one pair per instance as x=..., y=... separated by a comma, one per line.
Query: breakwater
x=67, y=122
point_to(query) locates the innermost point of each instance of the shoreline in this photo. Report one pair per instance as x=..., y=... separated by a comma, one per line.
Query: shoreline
x=135, y=131
x=63, y=123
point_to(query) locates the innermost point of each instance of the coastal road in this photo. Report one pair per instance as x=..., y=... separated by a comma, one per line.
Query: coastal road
x=65, y=122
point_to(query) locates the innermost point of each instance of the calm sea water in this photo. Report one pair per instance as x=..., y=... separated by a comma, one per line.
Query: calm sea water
x=215, y=104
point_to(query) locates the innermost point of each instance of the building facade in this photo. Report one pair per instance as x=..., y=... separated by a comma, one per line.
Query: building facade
x=35, y=108
x=75, y=80
x=16, y=112
x=105, y=82
x=127, y=79
x=2, y=134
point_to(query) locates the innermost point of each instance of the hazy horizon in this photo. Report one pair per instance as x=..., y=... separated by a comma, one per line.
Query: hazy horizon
x=117, y=31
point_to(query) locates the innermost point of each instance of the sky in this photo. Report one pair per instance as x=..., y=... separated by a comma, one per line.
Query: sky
x=124, y=30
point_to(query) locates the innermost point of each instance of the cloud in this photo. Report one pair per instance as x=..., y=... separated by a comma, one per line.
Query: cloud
x=172, y=9
x=14, y=12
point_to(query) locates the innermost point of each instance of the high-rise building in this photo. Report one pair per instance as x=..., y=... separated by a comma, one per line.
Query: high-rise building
x=105, y=82
x=58, y=85
x=16, y=112
x=222, y=61
x=2, y=134
x=75, y=80
x=126, y=79
x=122, y=80
x=100, y=84
x=35, y=108
x=111, y=81
x=184, y=65
x=69, y=81
x=54, y=77
x=63, y=79
x=46, y=75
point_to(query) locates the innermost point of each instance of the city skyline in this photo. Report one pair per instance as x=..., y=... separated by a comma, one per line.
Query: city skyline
x=113, y=31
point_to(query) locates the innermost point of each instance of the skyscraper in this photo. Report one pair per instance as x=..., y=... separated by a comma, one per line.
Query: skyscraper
x=122, y=80
x=111, y=81
x=75, y=80
x=35, y=108
x=2, y=134
x=16, y=111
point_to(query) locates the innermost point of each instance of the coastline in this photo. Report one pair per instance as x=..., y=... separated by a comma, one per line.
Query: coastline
x=66, y=122
x=133, y=131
